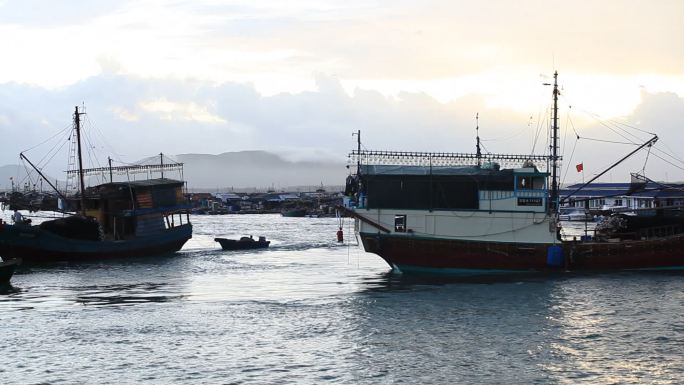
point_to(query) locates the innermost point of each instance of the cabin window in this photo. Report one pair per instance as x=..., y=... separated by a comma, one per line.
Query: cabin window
x=400, y=223
x=418, y=192
x=529, y=183
x=524, y=183
x=618, y=202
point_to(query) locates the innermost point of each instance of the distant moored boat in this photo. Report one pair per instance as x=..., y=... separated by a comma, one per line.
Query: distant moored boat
x=294, y=213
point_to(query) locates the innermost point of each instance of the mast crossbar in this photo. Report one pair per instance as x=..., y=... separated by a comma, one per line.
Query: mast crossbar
x=131, y=169
x=373, y=157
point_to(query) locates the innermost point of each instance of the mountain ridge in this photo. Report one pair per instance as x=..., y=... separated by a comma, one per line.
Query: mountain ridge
x=238, y=169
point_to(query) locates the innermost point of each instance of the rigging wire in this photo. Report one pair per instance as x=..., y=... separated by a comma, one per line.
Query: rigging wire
x=572, y=154
x=655, y=146
x=572, y=125
x=505, y=138
x=668, y=162
x=643, y=169
x=615, y=125
x=565, y=131
x=608, y=141
x=91, y=146
x=56, y=152
x=104, y=138
x=540, y=123
x=42, y=162
x=48, y=139
x=617, y=122
x=671, y=152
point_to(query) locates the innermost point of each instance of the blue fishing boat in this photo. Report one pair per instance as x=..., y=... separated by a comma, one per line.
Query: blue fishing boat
x=110, y=220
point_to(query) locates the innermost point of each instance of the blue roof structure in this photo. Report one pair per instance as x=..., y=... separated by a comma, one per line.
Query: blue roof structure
x=651, y=190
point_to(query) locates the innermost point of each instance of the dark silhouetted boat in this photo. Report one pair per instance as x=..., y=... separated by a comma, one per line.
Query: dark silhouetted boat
x=112, y=220
x=7, y=270
x=293, y=213
x=244, y=243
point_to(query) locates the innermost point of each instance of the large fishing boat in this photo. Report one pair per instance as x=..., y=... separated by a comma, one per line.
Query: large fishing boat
x=109, y=220
x=467, y=213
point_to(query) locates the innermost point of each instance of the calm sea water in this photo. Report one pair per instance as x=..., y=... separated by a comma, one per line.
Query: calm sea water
x=310, y=311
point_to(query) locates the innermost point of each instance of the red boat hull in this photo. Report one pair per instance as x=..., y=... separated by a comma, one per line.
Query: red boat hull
x=445, y=255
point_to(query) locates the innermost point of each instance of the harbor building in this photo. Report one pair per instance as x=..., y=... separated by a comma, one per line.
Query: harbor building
x=622, y=196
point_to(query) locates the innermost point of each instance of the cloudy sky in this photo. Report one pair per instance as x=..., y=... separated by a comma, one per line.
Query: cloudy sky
x=298, y=77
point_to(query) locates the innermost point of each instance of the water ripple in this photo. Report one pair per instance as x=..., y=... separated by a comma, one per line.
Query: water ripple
x=309, y=310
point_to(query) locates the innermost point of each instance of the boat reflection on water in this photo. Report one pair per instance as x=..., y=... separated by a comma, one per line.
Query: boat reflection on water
x=478, y=329
x=126, y=294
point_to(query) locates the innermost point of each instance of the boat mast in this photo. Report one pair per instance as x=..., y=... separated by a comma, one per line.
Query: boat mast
x=553, y=199
x=77, y=126
x=109, y=159
x=358, y=151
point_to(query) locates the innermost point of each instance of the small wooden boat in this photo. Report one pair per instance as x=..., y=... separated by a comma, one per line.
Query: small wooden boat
x=7, y=270
x=244, y=243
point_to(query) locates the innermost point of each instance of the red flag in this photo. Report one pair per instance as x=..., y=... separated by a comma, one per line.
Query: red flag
x=580, y=167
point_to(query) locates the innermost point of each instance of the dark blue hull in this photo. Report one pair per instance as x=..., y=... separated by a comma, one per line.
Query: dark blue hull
x=35, y=246
x=7, y=270
x=231, y=244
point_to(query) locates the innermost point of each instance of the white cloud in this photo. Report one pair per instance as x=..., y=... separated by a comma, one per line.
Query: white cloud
x=139, y=117
x=177, y=73
x=124, y=114
x=187, y=111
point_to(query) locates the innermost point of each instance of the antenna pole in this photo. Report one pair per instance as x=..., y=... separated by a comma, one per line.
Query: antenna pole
x=477, y=134
x=111, y=180
x=358, y=151
x=77, y=125
x=553, y=204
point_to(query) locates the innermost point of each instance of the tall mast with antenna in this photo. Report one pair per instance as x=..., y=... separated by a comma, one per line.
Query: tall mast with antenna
x=477, y=135
x=554, y=150
x=77, y=126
